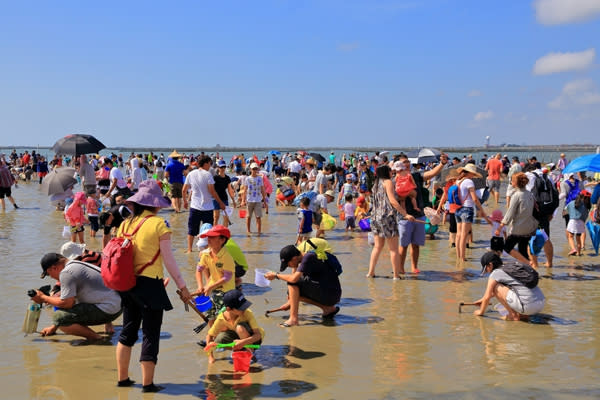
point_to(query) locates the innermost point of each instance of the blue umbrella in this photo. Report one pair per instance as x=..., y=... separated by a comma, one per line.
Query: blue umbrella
x=591, y=162
x=594, y=234
x=274, y=152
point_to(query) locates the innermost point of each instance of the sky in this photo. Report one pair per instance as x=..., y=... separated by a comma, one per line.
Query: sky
x=323, y=73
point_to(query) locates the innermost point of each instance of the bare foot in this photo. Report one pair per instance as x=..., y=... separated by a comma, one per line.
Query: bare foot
x=109, y=328
x=188, y=251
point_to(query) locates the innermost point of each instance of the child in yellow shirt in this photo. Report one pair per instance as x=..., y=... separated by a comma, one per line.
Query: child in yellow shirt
x=217, y=267
x=235, y=325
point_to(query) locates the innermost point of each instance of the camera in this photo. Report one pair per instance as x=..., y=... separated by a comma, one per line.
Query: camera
x=44, y=289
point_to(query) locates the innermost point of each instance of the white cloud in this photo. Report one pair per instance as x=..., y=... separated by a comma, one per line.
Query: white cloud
x=581, y=92
x=348, y=47
x=553, y=63
x=474, y=93
x=483, y=115
x=557, y=12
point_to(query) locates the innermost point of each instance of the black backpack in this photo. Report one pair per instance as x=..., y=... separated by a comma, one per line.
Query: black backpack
x=545, y=194
x=525, y=274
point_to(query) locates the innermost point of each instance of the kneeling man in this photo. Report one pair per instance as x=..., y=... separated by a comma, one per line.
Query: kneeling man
x=83, y=301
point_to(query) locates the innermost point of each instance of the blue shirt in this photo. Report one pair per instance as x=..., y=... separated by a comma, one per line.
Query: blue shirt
x=307, y=221
x=175, y=170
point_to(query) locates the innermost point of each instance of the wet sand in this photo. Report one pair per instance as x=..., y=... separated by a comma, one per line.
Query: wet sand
x=392, y=339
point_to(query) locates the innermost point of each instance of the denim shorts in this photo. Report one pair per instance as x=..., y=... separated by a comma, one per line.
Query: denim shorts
x=465, y=215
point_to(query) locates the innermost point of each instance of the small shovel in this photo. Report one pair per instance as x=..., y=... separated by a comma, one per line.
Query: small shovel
x=189, y=304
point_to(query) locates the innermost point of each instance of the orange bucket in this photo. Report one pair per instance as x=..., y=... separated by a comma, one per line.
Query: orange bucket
x=241, y=361
x=242, y=212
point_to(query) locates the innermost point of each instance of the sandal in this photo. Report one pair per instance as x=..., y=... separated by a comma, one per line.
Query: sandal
x=573, y=252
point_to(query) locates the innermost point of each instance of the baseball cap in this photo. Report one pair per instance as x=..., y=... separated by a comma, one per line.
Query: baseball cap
x=221, y=163
x=235, y=299
x=48, y=260
x=490, y=257
x=286, y=254
x=254, y=166
x=217, y=230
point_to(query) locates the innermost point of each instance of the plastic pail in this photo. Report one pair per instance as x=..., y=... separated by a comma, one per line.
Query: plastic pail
x=242, y=213
x=259, y=277
x=241, y=361
x=203, y=303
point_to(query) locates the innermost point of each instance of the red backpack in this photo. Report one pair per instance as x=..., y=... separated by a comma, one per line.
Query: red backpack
x=117, y=268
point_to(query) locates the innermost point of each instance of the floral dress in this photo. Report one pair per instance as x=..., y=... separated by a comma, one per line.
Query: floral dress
x=384, y=221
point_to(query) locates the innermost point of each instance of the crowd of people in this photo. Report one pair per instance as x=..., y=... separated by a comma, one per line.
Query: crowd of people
x=396, y=199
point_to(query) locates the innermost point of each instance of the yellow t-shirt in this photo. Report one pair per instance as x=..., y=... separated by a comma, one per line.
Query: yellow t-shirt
x=146, y=242
x=222, y=325
x=216, y=265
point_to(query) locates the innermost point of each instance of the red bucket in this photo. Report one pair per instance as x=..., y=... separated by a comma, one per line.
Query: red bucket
x=242, y=212
x=241, y=360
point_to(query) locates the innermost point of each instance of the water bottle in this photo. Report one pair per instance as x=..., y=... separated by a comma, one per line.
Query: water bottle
x=32, y=317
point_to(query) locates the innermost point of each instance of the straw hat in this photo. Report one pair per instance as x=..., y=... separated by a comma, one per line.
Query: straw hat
x=471, y=168
x=330, y=193
x=149, y=194
x=174, y=154
x=311, y=161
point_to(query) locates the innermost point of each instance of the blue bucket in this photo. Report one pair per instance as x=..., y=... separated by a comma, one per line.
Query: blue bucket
x=203, y=303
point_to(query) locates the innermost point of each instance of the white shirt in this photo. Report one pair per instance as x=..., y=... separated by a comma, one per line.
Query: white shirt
x=198, y=180
x=115, y=173
x=465, y=196
x=295, y=167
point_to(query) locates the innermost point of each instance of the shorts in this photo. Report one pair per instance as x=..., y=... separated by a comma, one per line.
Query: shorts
x=83, y=314
x=497, y=243
x=350, y=222
x=311, y=290
x=452, y=222
x=239, y=271
x=521, y=241
x=317, y=218
x=217, y=304
x=515, y=303
x=576, y=226
x=197, y=218
x=229, y=335
x=176, y=190
x=94, y=222
x=5, y=191
x=77, y=229
x=465, y=215
x=493, y=184
x=217, y=206
x=411, y=232
x=386, y=226
x=255, y=207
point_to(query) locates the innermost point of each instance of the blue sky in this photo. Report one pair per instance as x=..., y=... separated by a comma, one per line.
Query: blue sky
x=301, y=73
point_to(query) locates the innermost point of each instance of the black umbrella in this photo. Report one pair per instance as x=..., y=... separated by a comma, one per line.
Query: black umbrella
x=317, y=157
x=78, y=144
x=478, y=182
x=59, y=180
x=423, y=156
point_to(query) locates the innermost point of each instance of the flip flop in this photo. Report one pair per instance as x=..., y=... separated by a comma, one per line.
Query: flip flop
x=331, y=314
x=573, y=252
x=285, y=325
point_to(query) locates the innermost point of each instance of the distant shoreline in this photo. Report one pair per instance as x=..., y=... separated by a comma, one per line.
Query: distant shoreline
x=362, y=149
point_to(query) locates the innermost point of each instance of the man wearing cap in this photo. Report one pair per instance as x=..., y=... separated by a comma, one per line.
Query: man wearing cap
x=235, y=325
x=83, y=301
x=118, y=185
x=365, y=178
x=202, y=185
x=253, y=196
x=222, y=188
x=313, y=280
x=174, y=174
x=519, y=301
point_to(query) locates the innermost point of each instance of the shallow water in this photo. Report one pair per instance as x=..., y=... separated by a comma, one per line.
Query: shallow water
x=392, y=339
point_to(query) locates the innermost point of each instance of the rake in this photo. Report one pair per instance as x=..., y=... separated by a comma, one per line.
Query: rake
x=187, y=305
